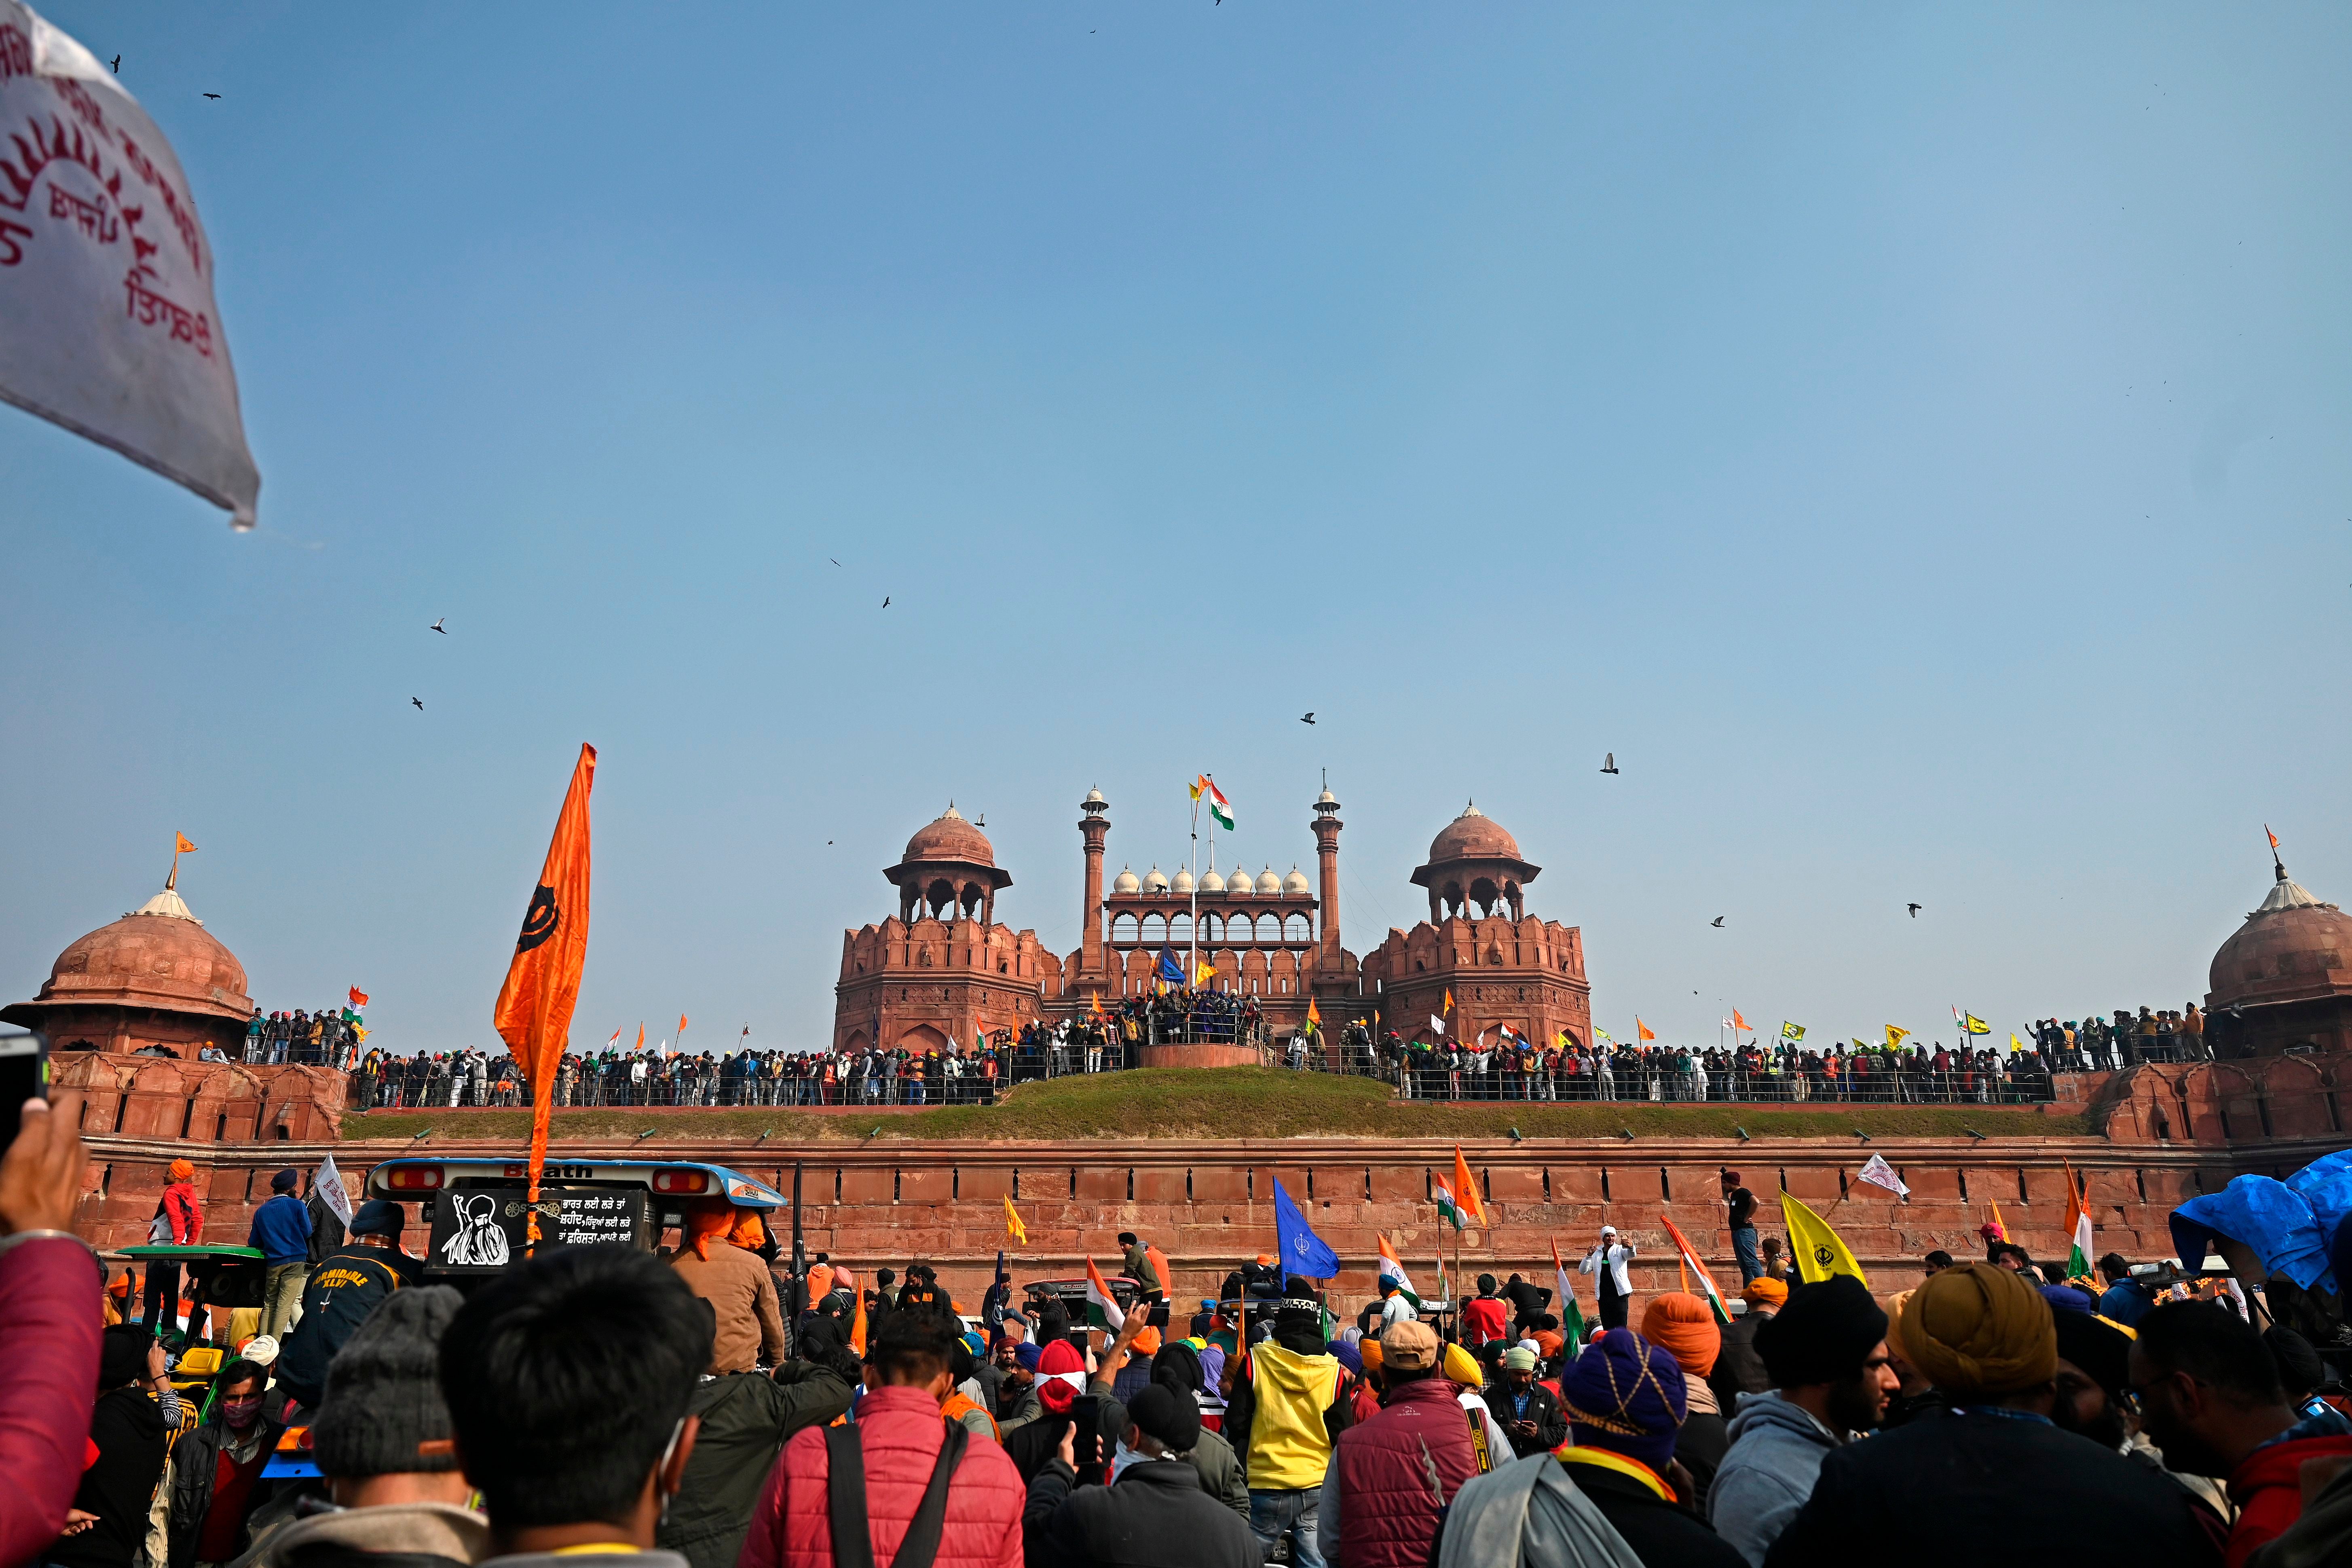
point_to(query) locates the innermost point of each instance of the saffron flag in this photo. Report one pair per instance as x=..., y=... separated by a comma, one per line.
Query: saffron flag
x=2078, y=1228
x=1449, y=1001
x=1819, y=1251
x=1313, y=1015
x=1642, y=1031
x=534, y=1010
x=1571, y=1317
x=2001, y=1231
x=641, y=1035
x=1740, y=1023
x=1691, y=1265
x=1102, y=1306
x=1012, y=1226
x=181, y=845
x=2271, y=837
x=1392, y=1271
x=1466, y=1189
x=856, y=1318
x=358, y=996
x=681, y=1023
x=106, y=288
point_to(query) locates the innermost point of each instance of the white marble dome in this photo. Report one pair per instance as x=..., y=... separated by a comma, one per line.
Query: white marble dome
x=1294, y=885
x=1153, y=882
x=1183, y=884
x=1268, y=883
x=1126, y=882
x=1212, y=883
x=1238, y=887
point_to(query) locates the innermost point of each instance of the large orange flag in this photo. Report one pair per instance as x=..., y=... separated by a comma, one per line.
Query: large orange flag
x=1469, y=1201
x=534, y=1011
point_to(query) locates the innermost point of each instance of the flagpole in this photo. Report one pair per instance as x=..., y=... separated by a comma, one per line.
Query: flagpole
x=1192, y=929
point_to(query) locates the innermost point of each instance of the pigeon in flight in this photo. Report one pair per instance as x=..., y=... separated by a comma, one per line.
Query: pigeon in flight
x=1309, y=719
x=1609, y=763
x=118, y=64
x=1718, y=921
x=835, y=562
x=886, y=601
x=437, y=626
x=420, y=703
x=212, y=95
x=1914, y=912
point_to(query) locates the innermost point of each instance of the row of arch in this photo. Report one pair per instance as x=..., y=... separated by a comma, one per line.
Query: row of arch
x=1223, y=930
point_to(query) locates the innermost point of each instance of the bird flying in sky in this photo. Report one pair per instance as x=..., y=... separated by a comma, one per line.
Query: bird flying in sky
x=1718, y=921
x=886, y=601
x=420, y=703
x=1309, y=718
x=1609, y=762
x=437, y=626
x=212, y=95
x=1914, y=912
x=118, y=64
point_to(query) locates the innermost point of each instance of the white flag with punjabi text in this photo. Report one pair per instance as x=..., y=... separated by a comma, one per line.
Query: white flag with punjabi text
x=107, y=325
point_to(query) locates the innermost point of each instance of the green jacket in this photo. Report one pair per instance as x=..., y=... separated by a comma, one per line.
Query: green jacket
x=746, y=1420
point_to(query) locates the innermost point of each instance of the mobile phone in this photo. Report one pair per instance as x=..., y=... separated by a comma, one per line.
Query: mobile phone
x=23, y=1075
x=1157, y=1317
x=1085, y=1438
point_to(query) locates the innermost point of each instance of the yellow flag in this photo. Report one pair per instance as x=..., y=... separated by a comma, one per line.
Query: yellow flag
x=1894, y=1037
x=1206, y=972
x=1820, y=1252
x=1012, y=1226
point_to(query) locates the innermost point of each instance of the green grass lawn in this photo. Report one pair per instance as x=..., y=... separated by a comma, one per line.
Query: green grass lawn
x=1230, y=1102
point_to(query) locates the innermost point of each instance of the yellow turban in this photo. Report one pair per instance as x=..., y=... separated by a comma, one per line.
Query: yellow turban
x=1461, y=1367
x=1979, y=1330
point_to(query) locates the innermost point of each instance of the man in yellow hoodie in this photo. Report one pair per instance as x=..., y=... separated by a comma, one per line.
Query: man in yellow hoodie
x=1293, y=1414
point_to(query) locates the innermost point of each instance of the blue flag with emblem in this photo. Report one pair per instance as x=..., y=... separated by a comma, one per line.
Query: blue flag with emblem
x=1301, y=1251
x=1170, y=972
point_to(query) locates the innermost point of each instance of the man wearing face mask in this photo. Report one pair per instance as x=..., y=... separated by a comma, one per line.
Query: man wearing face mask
x=217, y=1472
x=568, y=1378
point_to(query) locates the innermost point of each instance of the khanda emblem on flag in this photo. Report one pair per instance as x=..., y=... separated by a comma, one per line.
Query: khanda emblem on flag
x=1824, y=1255
x=540, y=920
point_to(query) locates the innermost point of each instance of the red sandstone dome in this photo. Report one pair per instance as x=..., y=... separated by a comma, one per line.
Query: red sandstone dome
x=951, y=839
x=1473, y=836
x=159, y=957
x=2293, y=949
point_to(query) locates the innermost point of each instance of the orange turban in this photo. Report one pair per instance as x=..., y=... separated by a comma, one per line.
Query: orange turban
x=1765, y=1291
x=1684, y=1326
x=751, y=1230
x=703, y=1225
x=182, y=1171
x=1146, y=1343
x=1370, y=1349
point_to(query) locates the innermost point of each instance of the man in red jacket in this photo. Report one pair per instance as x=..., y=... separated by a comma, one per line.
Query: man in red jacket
x=49, y=1301
x=1378, y=1506
x=2210, y=1397
x=898, y=1441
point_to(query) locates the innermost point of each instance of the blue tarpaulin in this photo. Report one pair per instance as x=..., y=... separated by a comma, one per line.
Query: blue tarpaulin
x=2279, y=1220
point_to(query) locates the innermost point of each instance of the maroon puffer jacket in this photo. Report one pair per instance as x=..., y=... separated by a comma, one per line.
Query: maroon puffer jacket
x=1387, y=1509
x=900, y=1431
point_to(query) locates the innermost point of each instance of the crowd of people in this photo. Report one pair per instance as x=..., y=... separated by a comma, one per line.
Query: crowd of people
x=710, y=1407
x=330, y=1038
x=1514, y=1067
x=2111, y=1045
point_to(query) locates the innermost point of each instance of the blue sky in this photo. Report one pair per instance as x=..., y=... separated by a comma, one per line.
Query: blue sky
x=1913, y=439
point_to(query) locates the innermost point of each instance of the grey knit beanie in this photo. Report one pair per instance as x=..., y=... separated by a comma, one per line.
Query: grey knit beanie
x=383, y=1389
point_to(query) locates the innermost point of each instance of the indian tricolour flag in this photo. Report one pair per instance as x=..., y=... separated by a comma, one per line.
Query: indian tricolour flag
x=1447, y=1209
x=2078, y=1228
x=1691, y=1264
x=1393, y=1271
x=1571, y=1317
x=1102, y=1306
x=1220, y=807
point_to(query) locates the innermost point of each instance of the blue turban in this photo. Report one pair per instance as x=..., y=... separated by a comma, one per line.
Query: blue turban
x=1627, y=1395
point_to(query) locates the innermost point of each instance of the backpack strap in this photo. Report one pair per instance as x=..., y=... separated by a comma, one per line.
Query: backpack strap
x=845, y=1495
x=920, y=1546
